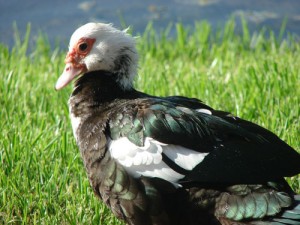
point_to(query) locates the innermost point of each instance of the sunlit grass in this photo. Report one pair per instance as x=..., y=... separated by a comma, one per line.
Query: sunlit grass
x=42, y=179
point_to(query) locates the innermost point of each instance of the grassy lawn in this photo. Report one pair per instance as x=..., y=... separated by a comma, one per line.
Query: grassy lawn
x=42, y=179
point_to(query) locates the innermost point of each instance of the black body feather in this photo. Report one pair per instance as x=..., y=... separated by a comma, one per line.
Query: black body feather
x=245, y=165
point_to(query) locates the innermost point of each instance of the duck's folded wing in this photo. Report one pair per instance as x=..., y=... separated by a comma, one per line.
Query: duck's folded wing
x=218, y=148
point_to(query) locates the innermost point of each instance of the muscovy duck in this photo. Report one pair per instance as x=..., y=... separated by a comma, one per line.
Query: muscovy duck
x=170, y=160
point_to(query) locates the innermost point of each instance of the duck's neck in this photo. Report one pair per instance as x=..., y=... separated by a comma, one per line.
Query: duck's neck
x=94, y=91
x=93, y=96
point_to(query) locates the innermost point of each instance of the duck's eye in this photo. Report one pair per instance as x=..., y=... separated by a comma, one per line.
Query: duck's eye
x=83, y=46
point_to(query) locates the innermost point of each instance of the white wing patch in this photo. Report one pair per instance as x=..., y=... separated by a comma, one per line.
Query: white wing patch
x=184, y=157
x=147, y=160
x=128, y=154
x=204, y=111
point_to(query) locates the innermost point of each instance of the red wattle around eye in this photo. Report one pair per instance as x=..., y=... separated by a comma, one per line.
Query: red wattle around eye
x=85, y=45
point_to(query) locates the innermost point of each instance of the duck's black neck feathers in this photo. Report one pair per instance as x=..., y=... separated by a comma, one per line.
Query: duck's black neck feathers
x=98, y=89
x=101, y=85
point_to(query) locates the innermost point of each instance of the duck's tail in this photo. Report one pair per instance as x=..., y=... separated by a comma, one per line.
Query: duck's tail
x=289, y=216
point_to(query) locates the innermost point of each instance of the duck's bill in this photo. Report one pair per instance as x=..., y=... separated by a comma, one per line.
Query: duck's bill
x=70, y=72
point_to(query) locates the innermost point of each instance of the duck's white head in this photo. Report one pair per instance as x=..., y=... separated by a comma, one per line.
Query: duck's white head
x=98, y=46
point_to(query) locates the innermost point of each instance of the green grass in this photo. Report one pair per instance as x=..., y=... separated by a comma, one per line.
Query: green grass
x=42, y=179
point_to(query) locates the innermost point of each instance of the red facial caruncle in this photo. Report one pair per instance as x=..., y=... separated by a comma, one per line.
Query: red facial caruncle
x=79, y=51
x=74, y=61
